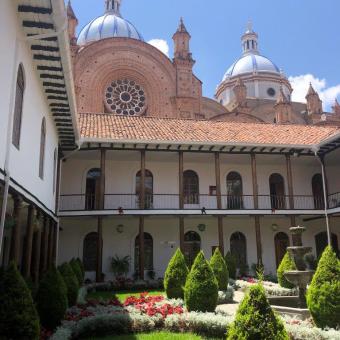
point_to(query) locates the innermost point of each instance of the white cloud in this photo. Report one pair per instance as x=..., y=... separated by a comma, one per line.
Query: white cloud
x=161, y=44
x=327, y=94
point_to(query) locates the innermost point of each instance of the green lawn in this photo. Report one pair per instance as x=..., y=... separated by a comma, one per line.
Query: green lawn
x=153, y=336
x=121, y=295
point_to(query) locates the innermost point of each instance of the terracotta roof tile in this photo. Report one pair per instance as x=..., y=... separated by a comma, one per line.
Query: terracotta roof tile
x=108, y=127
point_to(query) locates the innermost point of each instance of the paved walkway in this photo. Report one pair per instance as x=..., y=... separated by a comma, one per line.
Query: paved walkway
x=231, y=308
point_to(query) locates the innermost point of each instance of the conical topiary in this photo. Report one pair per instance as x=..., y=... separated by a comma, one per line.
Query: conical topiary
x=175, y=276
x=255, y=319
x=71, y=283
x=51, y=299
x=286, y=264
x=220, y=269
x=231, y=265
x=18, y=316
x=81, y=266
x=201, y=287
x=77, y=271
x=323, y=294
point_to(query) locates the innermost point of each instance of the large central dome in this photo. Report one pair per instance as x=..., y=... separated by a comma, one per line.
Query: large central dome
x=109, y=25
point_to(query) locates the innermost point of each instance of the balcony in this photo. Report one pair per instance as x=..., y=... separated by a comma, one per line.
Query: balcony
x=82, y=202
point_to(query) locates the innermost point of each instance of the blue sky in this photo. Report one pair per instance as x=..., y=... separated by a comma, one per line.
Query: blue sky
x=301, y=36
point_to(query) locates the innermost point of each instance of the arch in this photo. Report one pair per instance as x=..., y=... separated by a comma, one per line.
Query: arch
x=234, y=190
x=277, y=191
x=90, y=246
x=321, y=242
x=92, y=189
x=192, y=246
x=148, y=252
x=238, y=248
x=191, y=188
x=318, y=195
x=42, y=148
x=148, y=188
x=18, y=106
x=281, y=241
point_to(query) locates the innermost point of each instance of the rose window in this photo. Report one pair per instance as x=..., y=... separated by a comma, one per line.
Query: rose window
x=125, y=97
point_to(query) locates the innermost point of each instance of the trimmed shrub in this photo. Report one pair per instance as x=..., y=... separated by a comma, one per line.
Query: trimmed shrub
x=71, y=283
x=201, y=287
x=175, y=276
x=255, y=319
x=51, y=299
x=220, y=269
x=77, y=271
x=81, y=266
x=231, y=265
x=18, y=316
x=286, y=264
x=323, y=295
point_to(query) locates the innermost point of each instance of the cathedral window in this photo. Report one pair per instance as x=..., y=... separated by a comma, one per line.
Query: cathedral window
x=271, y=92
x=125, y=97
x=19, y=98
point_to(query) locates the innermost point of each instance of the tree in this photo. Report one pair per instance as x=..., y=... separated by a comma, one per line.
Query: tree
x=220, y=269
x=51, y=299
x=255, y=319
x=71, y=283
x=231, y=265
x=175, y=276
x=18, y=316
x=201, y=287
x=77, y=271
x=323, y=294
x=287, y=263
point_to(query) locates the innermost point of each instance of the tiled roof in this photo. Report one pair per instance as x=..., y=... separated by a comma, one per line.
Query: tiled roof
x=108, y=127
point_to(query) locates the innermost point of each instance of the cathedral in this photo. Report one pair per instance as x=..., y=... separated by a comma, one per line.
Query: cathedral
x=109, y=148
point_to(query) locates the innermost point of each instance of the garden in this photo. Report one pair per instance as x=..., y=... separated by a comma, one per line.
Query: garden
x=206, y=301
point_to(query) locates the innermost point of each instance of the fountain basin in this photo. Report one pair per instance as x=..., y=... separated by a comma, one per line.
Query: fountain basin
x=298, y=254
x=299, y=278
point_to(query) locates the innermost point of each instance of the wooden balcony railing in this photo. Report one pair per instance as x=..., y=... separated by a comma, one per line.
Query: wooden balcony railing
x=84, y=202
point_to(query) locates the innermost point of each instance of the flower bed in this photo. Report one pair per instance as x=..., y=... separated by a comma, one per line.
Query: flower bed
x=153, y=313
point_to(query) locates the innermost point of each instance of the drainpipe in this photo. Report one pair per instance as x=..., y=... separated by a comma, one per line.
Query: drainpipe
x=318, y=157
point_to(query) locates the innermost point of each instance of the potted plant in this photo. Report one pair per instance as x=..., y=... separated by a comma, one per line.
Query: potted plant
x=120, y=265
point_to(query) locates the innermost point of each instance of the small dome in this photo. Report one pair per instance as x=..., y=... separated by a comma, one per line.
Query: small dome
x=109, y=25
x=251, y=63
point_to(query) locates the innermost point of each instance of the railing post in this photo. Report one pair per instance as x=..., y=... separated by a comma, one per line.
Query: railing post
x=290, y=188
x=16, y=233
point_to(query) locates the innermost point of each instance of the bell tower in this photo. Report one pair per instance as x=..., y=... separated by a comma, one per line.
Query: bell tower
x=283, y=109
x=72, y=24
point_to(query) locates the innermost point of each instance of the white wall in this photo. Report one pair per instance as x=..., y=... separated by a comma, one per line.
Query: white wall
x=24, y=163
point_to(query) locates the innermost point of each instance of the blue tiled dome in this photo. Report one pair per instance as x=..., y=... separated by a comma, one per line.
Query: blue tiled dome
x=109, y=25
x=251, y=63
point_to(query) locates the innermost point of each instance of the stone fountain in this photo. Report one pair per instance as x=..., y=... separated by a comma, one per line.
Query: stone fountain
x=300, y=277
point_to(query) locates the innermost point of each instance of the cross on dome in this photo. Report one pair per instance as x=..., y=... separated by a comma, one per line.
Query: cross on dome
x=250, y=40
x=113, y=6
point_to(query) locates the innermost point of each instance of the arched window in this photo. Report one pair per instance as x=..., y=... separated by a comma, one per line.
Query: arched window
x=317, y=187
x=277, y=191
x=148, y=188
x=190, y=187
x=321, y=242
x=234, y=191
x=192, y=246
x=148, y=252
x=92, y=189
x=19, y=99
x=90, y=252
x=238, y=248
x=42, y=148
x=281, y=241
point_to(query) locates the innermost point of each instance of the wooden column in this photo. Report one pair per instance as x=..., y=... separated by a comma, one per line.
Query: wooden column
x=256, y=206
x=29, y=241
x=290, y=189
x=142, y=180
x=181, y=199
x=219, y=201
x=141, y=248
x=37, y=247
x=50, y=243
x=44, y=246
x=99, y=268
x=16, y=232
x=181, y=233
x=254, y=179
